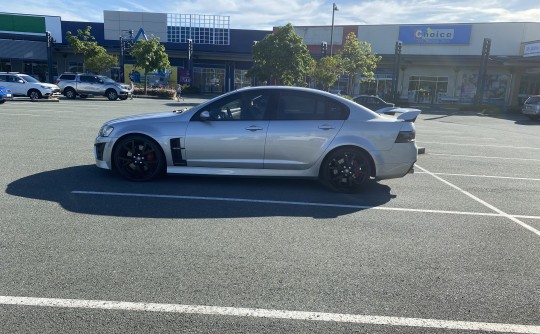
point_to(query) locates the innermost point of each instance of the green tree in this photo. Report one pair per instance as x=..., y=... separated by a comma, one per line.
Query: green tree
x=356, y=58
x=327, y=71
x=96, y=58
x=150, y=56
x=281, y=58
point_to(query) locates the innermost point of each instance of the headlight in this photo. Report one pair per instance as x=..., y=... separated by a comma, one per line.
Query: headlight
x=45, y=87
x=105, y=131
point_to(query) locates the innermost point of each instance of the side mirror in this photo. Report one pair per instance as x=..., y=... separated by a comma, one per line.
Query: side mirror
x=205, y=115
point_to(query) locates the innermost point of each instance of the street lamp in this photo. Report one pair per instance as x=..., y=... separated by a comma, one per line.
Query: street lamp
x=334, y=9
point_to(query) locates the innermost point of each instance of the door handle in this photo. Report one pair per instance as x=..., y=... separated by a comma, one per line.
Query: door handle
x=326, y=127
x=254, y=128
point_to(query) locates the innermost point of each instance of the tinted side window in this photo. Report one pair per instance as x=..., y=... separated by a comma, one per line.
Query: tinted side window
x=87, y=78
x=3, y=78
x=305, y=106
x=252, y=105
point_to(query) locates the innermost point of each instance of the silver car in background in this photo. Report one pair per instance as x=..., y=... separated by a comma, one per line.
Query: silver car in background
x=263, y=131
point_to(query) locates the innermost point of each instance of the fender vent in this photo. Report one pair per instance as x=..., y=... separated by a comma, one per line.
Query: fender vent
x=176, y=152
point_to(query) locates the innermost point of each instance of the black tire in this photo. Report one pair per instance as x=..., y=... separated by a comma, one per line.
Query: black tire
x=70, y=93
x=111, y=94
x=138, y=158
x=2, y=101
x=34, y=94
x=346, y=170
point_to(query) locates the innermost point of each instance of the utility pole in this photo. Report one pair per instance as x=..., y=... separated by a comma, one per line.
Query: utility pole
x=486, y=47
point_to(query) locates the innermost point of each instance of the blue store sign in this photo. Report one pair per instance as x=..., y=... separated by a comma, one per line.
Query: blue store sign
x=435, y=34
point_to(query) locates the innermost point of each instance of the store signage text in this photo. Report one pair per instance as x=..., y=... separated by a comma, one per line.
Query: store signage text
x=435, y=34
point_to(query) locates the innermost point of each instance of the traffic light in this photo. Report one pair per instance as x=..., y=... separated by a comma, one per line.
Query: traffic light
x=398, y=47
x=190, y=48
x=324, y=47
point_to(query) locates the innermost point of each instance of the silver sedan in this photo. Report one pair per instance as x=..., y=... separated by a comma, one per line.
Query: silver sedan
x=263, y=131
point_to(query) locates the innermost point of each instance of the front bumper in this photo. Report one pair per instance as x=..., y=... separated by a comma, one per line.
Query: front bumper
x=103, y=151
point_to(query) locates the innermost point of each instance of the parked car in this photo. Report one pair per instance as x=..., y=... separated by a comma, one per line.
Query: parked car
x=25, y=85
x=372, y=102
x=531, y=107
x=83, y=85
x=5, y=94
x=263, y=131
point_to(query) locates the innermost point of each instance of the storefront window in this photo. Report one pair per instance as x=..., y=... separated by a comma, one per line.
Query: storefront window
x=209, y=80
x=427, y=89
x=5, y=65
x=38, y=70
x=495, y=87
x=241, y=79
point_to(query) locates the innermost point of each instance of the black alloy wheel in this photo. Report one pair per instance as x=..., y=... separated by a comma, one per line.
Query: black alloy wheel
x=346, y=170
x=138, y=158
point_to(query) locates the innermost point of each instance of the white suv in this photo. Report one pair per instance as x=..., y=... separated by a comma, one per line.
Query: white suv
x=25, y=85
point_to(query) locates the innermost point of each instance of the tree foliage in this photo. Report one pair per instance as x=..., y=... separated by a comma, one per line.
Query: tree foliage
x=281, y=58
x=327, y=71
x=356, y=58
x=96, y=58
x=150, y=56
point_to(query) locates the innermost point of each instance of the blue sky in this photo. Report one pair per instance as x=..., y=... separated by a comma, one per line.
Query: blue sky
x=265, y=14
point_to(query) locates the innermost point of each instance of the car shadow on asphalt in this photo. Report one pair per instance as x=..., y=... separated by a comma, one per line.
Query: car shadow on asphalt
x=89, y=190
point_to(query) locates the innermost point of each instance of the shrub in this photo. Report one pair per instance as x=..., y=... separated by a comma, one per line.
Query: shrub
x=165, y=92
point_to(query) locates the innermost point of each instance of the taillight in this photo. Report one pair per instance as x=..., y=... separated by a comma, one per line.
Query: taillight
x=405, y=136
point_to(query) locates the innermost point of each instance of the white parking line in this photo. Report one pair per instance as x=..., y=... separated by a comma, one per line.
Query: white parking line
x=481, y=157
x=269, y=314
x=486, y=204
x=482, y=145
x=248, y=200
x=483, y=176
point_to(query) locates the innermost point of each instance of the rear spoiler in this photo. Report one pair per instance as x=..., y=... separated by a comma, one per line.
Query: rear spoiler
x=409, y=116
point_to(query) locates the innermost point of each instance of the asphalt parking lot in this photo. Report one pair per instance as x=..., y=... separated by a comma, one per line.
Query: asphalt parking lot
x=452, y=248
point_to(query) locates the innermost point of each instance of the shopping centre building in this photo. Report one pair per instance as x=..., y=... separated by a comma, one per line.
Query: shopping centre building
x=437, y=63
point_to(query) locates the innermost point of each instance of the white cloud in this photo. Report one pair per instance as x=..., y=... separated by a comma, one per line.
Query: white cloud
x=263, y=14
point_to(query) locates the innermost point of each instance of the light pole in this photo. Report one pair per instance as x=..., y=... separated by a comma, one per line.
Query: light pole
x=334, y=9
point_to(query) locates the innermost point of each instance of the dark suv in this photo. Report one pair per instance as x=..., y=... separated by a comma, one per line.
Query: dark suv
x=80, y=84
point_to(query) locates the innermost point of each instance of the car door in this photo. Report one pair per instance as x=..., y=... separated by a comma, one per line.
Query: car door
x=301, y=129
x=16, y=84
x=88, y=85
x=234, y=134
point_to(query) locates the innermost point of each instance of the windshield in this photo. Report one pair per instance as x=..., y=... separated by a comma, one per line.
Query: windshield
x=28, y=78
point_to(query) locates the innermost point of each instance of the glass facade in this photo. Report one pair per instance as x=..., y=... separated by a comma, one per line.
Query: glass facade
x=241, y=79
x=427, y=89
x=202, y=29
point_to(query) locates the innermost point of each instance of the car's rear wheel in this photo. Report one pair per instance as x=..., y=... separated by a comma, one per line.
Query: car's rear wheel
x=112, y=95
x=346, y=170
x=34, y=94
x=138, y=158
x=70, y=93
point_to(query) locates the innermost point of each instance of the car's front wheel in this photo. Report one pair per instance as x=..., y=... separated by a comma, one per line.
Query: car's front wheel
x=34, y=94
x=111, y=94
x=138, y=158
x=346, y=169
